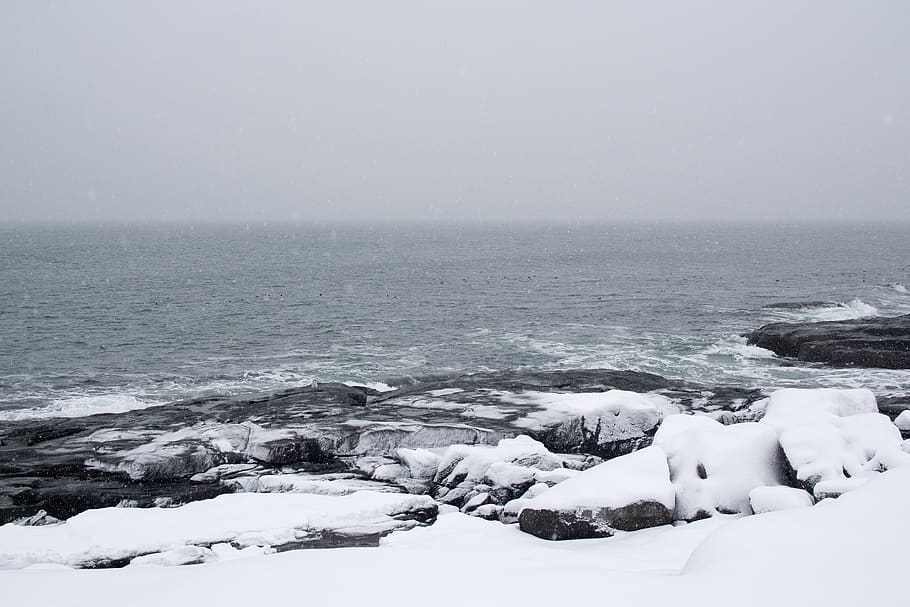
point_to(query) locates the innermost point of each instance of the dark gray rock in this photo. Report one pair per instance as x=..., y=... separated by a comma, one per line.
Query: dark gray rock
x=800, y=305
x=864, y=342
x=550, y=524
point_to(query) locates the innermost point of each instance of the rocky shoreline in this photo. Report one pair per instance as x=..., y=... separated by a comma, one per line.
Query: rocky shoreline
x=882, y=342
x=565, y=454
x=197, y=449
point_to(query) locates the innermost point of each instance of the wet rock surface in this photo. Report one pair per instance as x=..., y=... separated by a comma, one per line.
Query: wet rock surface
x=864, y=342
x=326, y=438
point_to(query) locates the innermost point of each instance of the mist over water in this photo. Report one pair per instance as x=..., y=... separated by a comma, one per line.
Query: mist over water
x=111, y=318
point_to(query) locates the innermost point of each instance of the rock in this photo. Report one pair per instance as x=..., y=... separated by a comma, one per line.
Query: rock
x=834, y=440
x=714, y=467
x=504, y=472
x=800, y=305
x=772, y=499
x=38, y=519
x=607, y=424
x=902, y=421
x=864, y=342
x=421, y=463
x=476, y=502
x=184, y=451
x=314, y=484
x=627, y=493
x=511, y=510
x=490, y=512
x=111, y=537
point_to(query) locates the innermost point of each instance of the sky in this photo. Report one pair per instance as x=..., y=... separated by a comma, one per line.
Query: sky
x=454, y=111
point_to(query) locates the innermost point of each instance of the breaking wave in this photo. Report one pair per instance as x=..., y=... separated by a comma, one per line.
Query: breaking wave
x=80, y=406
x=737, y=347
x=855, y=308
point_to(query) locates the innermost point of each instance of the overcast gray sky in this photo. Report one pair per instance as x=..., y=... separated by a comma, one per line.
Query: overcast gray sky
x=215, y=110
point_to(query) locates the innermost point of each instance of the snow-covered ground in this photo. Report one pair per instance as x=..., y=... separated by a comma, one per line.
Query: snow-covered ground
x=840, y=552
x=807, y=506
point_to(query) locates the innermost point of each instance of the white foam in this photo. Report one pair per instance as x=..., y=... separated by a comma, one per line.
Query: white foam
x=855, y=308
x=899, y=287
x=739, y=348
x=373, y=385
x=81, y=406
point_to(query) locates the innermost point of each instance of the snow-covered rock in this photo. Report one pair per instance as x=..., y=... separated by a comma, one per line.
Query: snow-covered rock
x=714, y=467
x=778, y=497
x=835, y=440
x=385, y=438
x=421, y=463
x=193, y=555
x=194, y=450
x=324, y=484
x=607, y=424
x=244, y=519
x=627, y=493
x=505, y=471
x=902, y=421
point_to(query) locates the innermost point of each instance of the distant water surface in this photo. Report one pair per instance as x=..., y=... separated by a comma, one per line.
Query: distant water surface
x=110, y=318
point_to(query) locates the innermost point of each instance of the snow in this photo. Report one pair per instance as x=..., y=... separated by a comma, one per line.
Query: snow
x=381, y=438
x=505, y=474
x=835, y=439
x=244, y=519
x=903, y=421
x=445, y=392
x=629, y=413
x=471, y=462
x=639, y=476
x=839, y=553
x=486, y=412
x=189, y=555
x=188, y=451
x=422, y=463
x=792, y=406
x=329, y=484
x=773, y=498
x=714, y=467
x=839, y=546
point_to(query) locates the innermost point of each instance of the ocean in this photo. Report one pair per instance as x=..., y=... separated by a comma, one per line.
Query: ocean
x=110, y=318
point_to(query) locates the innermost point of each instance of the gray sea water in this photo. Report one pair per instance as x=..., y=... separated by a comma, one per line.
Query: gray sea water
x=106, y=318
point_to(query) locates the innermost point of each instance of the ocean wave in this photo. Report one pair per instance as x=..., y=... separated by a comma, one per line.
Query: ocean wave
x=80, y=406
x=855, y=308
x=899, y=287
x=738, y=347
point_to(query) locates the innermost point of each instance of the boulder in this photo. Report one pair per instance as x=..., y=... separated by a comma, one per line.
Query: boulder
x=623, y=494
x=713, y=467
x=834, y=440
x=902, y=421
x=607, y=424
x=504, y=472
x=778, y=497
